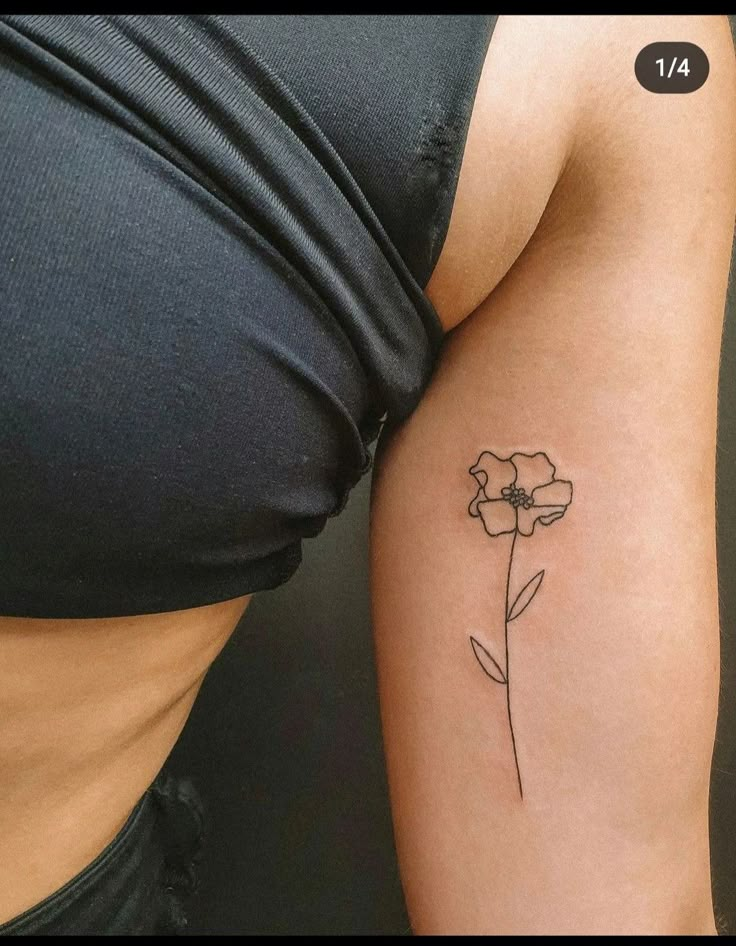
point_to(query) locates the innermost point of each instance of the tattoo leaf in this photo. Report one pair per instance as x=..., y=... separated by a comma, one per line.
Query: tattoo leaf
x=487, y=662
x=525, y=596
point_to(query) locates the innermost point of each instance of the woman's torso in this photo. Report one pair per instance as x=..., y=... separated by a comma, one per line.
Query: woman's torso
x=91, y=707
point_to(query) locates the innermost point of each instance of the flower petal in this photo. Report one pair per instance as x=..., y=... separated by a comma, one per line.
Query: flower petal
x=493, y=473
x=556, y=512
x=498, y=516
x=528, y=518
x=480, y=497
x=533, y=470
x=557, y=493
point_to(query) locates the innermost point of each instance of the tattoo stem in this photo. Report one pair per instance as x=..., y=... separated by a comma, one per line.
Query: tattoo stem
x=508, y=675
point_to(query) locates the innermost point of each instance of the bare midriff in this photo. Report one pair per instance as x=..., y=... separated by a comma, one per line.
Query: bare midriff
x=89, y=711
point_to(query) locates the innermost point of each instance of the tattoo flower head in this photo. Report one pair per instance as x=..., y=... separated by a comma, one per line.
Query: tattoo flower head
x=514, y=494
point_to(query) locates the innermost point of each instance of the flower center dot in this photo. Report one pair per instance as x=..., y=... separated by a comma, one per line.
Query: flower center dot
x=517, y=496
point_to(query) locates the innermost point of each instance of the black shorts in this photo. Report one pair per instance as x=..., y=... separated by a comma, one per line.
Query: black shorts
x=140, y=883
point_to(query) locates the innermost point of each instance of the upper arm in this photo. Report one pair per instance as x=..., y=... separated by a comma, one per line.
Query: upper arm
x=557, y=102
x=599, y=346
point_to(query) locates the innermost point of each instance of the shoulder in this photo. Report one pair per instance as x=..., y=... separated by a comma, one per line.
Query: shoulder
x=558, y=102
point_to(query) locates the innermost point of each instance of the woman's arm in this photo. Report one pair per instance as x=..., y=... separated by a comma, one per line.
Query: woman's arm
x=599, y=348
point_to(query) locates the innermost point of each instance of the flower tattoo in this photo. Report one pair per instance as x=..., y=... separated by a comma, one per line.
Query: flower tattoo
x=513, y=496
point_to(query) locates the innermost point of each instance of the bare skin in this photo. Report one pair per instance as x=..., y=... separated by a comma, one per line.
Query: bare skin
x=89, y=710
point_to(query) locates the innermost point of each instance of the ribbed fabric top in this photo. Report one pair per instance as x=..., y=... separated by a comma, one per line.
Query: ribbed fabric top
x=212, y=392
x=394, y=95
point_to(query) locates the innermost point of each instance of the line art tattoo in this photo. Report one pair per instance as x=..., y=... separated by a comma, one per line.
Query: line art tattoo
x=513, y=496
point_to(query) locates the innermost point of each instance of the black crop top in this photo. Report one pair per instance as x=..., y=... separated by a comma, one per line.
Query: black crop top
x=215, y=233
